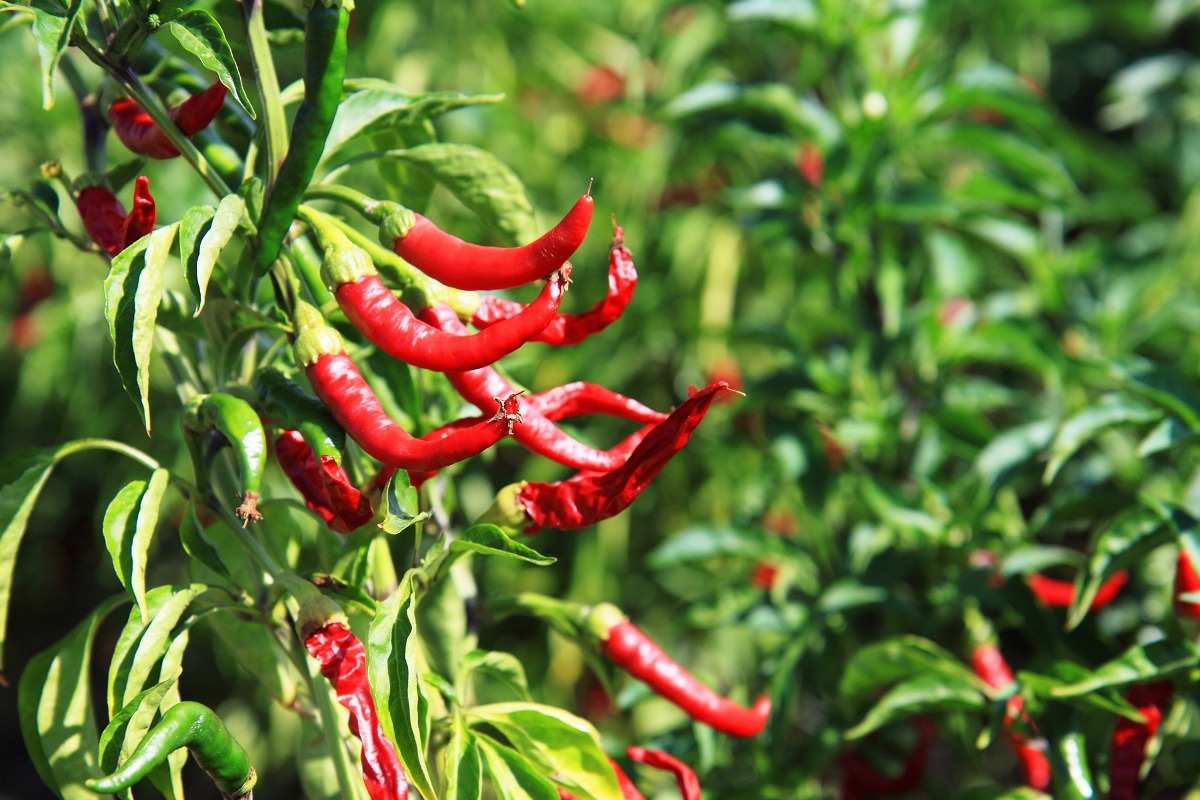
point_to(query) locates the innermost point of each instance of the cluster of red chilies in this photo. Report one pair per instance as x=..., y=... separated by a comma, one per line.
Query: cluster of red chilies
x=105, y=219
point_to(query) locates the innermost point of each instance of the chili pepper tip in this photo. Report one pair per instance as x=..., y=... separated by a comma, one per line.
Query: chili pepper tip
x=248, y=511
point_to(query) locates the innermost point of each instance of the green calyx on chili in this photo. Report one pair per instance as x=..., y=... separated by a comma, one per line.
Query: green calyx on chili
x=628, y=647
x=324, y=71
x=337, y=381
x=463, y=265
x=105, y=219
x=1129, y=738
x=568, y=329
x=589, y=496
x=138, y=131
x=324, y=485
x=201, y=731
x=239, y=426
x=342, y=659
x=390, y=324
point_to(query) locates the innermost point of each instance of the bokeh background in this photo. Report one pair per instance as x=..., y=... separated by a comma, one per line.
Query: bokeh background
x=912, y=232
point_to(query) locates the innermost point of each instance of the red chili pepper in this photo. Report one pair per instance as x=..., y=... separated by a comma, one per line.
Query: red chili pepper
x=326, y=489
x=568, y=329
x=344, y=391
x=591, y=496
x=628, y=647
x=456, y=263
x=137, y=130
x=1129, y=738
x=344, y=664
x=1060, y=594
x=628, y=790
x=689, y=784
x=600, y=84
x=862, y=780
x=106, y=221
x=811, y=163
x=989, y=664
x=764, y=576
x=1186, y=581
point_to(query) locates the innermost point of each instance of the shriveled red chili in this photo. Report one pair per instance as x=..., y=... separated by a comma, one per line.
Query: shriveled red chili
x=343, y=662
x=1129, y=738
x=1186, y=582
x=628, y=647
x=344, y=391
x=1060, y=594
x=989, y=664
x=138, y=131
x=568, y=329
x=105, y=219
x=324, y=485
x=861, y=780
x=463, y=265
x=685, y=777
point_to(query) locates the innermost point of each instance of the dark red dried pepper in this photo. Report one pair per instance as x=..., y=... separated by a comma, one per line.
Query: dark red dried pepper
x=568, y=329
x=463, y=265
x=989, y=664
x=862, y=780
x=138, y=131
x=345, y=392
x=1060, y=594
x=325, y=487
x=344, y=664
x=628, y=647
x=1186, y=582
x=685, y=777
x=106, y=221
x=1129, y=738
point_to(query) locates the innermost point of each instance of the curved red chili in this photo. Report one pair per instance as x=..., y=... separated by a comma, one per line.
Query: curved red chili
x=105, y=219
x=1129, y=738
x=463, y=265
x=863, y=780
x=989, y=664
x=325, y=487
x=567, y=329
x=137, y=130
x=628, y=647
x=345, y=392
x=344, y=664
x=685, y=777
x=1060, y=594
x=581, y=399
x=1186, y=582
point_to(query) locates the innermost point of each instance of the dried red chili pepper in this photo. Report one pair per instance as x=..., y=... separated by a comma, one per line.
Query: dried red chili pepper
x=1060, y=594
x=106, y=221
x=344, y=664
x=1186, y=582
x=1129, y=738
x=463, y=265
x=345, y=392
x=325, y=487
x=590, y=496
x=138, y=131
x=685, y=777
x=568, y=329
x=989, y=664
x=628, y=647
x=862, y=780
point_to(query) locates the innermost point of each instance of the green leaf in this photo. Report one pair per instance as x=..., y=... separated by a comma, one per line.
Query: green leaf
x=128, y=535
x=55, y=707
x=1166, y=435
x=132, y=292
x=705, y=543
x=514, y=777
x=217, y=233
x=191, y=537
x=799, y=14
x=1079, y=429
x=562, y=744
x=921, y=695
x=494, y=540
x=1164, y=387
x=17, y=500
x=257, y=650
x=442, y=618
x=883, y=663
x=1012, y=449
x=464, y=765
x=772, y=104
x=496, y=668
x=52, y=33
x=1120, y=543
x=1142, y=662
x=200, y=34
x=129, y=725
x=401, y=504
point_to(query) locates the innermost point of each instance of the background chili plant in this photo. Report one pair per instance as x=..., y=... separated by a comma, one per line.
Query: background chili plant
x=946, y=258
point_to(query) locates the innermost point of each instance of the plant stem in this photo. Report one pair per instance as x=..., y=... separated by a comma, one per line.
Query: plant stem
x=80, y=445
x=274, y=121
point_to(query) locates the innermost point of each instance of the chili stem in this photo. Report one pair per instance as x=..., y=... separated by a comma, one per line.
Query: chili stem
x=370, y=209
x=80, y=445
x=274, y=122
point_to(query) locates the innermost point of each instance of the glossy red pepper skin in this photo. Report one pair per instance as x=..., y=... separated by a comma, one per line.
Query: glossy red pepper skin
x=591, y=496
x=629, y=648
x=325, y=487
x=463, y=265
x=989, y=664
x=862, y=780
x=1186, y=581
x=390, y=325
x=137, y=130
x=568, y=329
x=1060, y=594
x=685, y=777
x=580, y=399
x=105, y=219
x=344, y=664
x=1129, y=738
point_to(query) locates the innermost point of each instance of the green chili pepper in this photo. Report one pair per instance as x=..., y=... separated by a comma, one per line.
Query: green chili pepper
x=287, y=405
x=201, y=731
x=1073, y=781
x=239, y=425
x=324, y=71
